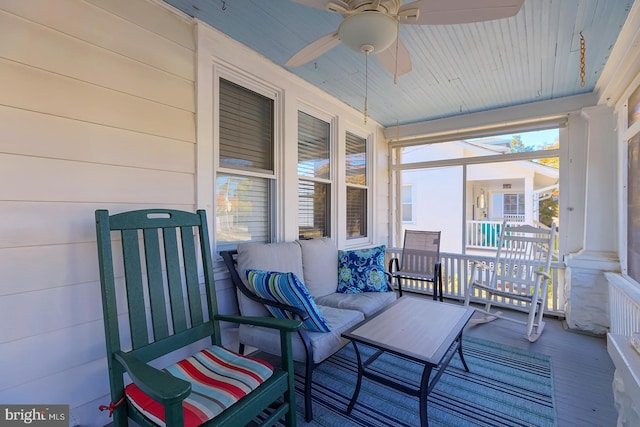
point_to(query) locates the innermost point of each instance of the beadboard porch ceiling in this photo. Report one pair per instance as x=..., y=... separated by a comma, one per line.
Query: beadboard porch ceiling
x=457, y=69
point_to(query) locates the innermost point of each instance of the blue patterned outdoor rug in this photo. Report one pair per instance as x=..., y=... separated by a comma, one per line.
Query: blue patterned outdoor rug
x=505, y=387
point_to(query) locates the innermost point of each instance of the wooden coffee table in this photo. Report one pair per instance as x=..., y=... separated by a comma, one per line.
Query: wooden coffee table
x=421, y=330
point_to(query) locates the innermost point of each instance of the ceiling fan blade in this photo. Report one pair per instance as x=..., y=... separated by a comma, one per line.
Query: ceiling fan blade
x=313, y=50
x=443, y=12
x=388, y=59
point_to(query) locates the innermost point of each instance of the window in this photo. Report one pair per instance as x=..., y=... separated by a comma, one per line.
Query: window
x=314, y=177
x=632, y=135
x=246, y=176
x=407, y=203
x=518, y=174
x=357, y=191
x=633, y=208
x=513, y=204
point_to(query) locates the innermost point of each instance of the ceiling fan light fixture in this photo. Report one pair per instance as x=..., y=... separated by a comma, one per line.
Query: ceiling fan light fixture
x=368, y=32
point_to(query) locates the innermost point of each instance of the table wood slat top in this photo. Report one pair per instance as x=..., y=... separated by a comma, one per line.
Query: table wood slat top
x=414, y=327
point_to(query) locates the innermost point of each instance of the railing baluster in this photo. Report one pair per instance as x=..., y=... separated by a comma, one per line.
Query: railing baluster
x=455, y=277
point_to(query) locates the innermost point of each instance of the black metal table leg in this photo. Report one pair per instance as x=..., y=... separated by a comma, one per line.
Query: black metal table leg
x=464, y=363
x=358, y=381
x=424, y=392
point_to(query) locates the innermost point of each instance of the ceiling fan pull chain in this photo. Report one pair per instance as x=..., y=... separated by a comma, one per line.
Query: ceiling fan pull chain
x=582, y=51
x=395, y=73
x=366, y=86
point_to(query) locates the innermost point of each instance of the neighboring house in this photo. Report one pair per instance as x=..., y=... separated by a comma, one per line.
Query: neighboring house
x=115, y=105
x=494, y=192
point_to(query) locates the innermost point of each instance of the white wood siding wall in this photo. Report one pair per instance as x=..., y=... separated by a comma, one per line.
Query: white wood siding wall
x=96, y=111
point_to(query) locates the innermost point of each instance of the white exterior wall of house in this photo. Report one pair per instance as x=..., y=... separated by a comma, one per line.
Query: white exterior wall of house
x=98, y=103
x=437, y=193
x=97, y=110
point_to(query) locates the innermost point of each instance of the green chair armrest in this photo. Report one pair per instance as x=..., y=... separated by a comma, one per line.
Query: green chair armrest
x=159, y=385
x=286, y=325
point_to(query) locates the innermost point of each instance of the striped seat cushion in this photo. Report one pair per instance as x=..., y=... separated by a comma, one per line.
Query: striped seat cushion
x=218, y=378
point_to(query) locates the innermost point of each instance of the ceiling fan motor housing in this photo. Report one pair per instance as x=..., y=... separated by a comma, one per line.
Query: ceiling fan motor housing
x=368, y=32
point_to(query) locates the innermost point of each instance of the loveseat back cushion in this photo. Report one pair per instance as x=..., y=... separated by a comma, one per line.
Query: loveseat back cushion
x=320, y=265
x=361, y=270
x=265, y=256
x=287, y=289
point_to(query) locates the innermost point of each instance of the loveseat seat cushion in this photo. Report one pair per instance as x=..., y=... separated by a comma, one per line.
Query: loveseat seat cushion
x=320, y=265
x=366, y=302
x=324, y=344
x=284, y=257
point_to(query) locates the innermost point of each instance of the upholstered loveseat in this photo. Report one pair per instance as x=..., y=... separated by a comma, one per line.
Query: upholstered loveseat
x=315, y=263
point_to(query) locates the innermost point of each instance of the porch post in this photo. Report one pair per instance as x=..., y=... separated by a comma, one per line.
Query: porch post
x=586, y=286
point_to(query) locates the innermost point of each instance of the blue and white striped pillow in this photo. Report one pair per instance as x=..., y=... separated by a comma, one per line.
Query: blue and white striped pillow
x=287, y=289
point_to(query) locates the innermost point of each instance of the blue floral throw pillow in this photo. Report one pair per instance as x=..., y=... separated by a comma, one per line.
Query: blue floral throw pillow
x=361, y=270
x=287, y=289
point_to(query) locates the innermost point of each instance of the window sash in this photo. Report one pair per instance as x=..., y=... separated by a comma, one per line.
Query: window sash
x=407, y=203
x=246, y=129
x=356, y=180
x=314, y=216
x=314, y=172
x=356, y=159
x=313, y=147
x=243, y=210
x=356, y=212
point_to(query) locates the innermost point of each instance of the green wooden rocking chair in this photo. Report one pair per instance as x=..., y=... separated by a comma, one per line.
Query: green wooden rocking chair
x=153, y=278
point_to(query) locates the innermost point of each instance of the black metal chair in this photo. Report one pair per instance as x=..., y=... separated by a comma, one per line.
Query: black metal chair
x=420, y=260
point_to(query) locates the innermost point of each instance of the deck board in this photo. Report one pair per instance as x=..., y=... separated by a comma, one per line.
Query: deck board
x=582, y=369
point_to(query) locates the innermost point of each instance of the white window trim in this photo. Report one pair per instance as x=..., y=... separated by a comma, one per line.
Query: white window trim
x=333, y=160
x=370, y=144
x=625, y=133
x=208, y=74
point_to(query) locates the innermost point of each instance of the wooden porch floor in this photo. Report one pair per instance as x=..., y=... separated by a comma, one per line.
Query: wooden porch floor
x=582, y=369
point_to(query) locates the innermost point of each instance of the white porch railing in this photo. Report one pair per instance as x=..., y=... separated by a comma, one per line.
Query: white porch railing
x=483, y=234
x=456, y=269
x=624, y=305
x=624, y=314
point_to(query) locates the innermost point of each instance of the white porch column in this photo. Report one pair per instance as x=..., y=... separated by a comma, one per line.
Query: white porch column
x=586, y=286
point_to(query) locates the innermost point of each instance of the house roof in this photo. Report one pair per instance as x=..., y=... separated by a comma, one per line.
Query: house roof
x=457, y=69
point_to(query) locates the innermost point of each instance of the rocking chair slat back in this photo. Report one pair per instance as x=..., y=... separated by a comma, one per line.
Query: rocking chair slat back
x=161, y=253
x=161, y=257
x=519, y=273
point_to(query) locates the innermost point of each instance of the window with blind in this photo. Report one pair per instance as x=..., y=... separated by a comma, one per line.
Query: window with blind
x=357, y=190
x=407, y=203
x=314, y=177
x=246, y=176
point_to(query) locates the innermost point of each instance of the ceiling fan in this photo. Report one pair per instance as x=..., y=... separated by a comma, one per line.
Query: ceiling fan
x=371, y=26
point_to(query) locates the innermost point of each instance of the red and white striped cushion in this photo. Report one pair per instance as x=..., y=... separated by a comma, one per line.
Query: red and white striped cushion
x=218, y=377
